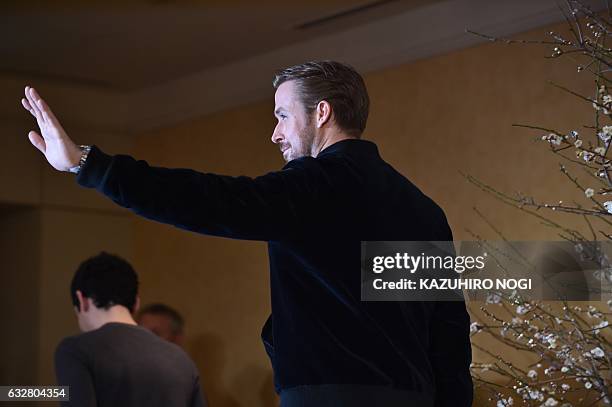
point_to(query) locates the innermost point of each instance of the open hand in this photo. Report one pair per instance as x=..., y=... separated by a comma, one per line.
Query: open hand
x=59, y=150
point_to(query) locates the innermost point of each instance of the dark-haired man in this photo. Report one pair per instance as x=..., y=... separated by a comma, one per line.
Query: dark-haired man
x=115, y=362
x=163, y=320
x=327, y=347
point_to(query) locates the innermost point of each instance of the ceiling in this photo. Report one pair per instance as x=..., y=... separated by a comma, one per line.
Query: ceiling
x=132, y=66
x=151, y=42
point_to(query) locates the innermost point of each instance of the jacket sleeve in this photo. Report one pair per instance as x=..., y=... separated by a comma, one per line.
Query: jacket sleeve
x=71, y=371
x=274, y=206
x=451, y=354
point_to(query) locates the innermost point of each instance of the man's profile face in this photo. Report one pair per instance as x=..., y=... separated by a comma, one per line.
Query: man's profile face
x=160, y=325
x=294, y=133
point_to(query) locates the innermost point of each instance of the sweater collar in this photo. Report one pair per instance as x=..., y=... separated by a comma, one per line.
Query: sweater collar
x=350, y=145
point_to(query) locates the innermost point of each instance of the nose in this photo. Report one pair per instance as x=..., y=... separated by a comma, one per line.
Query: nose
x=277, y=136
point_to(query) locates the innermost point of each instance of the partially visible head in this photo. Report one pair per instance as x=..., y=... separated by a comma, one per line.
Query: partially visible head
x=102, y=283
x=163, y=321
x=313, y=98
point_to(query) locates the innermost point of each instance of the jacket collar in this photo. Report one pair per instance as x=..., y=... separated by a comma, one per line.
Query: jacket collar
x=351, y=146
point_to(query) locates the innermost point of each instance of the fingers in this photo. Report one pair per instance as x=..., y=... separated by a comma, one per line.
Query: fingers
x=38, y=107
x=30, y=96
x=37, y=141
x=35, y=98
x=48, y=114
x=26, y=105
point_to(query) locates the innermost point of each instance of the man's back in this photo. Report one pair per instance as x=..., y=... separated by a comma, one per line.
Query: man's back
x=419, y=348
x=126, y=365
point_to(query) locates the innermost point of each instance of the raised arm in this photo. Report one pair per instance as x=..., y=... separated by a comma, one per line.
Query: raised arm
x=274, y=206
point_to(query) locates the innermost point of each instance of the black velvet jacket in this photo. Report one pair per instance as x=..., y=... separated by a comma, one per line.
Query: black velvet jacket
x=314, y=213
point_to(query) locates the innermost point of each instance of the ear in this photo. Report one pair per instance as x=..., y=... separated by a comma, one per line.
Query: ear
x=83, y=301
x=136, y=305
x=323, y=113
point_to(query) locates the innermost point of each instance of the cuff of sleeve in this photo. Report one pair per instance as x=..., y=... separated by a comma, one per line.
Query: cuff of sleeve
x=94, y=169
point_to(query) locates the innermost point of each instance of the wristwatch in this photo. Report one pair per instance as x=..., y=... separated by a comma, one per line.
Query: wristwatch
x=84, y=153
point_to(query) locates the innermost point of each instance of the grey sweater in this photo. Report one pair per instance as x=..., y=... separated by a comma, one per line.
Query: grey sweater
x=126, y=365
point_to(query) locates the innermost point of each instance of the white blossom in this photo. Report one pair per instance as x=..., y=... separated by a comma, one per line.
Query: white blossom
x=578, y=143
x=600, y=150
x=521, y=309
x=493, y=298
x=553, y=138
x=588, y=384
x=474, y=327
x=597, y=352
x=565, y=369
x=608, y=206
x=589, y=192
x=551, y=402
x=565, y=386
x=599, y=326
x=605, y=275
x=605, y=134
x=536, y=395
x=532, y=374
x=505, y=402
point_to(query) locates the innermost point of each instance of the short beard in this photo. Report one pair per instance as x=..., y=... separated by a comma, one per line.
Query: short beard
x=306, y=138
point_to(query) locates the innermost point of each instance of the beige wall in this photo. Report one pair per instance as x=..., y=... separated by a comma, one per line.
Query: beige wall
x=430, y=119
x=19, y=301
x=20, y=168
